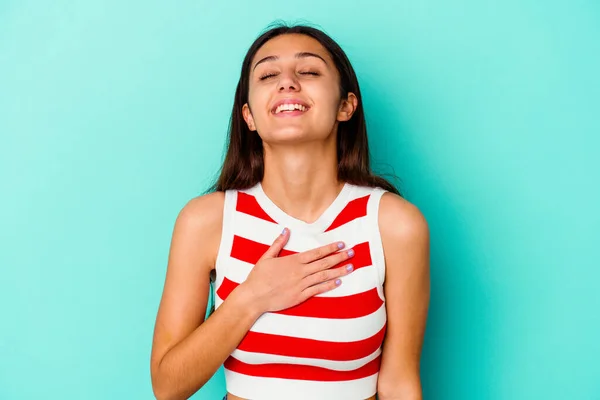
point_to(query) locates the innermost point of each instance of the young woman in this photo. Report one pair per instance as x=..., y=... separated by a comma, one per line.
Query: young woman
x=322, y=268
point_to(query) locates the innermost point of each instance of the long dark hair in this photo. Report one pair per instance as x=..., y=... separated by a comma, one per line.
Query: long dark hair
x=244, y=165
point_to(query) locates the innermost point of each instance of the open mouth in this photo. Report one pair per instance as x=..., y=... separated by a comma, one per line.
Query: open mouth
x=290, y=109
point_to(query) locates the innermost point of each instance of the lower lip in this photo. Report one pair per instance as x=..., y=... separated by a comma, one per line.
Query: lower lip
x=294, y=113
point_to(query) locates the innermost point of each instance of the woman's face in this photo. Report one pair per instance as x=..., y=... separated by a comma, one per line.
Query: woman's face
x=294, y=91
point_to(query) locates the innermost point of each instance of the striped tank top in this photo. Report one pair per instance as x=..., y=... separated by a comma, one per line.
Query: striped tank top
x=328, y=347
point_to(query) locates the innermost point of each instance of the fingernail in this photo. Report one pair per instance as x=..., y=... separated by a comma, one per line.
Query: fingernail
x=284, y=231
x=340, y=245
x=349, y=267
x=338, y=282
x=350, y=253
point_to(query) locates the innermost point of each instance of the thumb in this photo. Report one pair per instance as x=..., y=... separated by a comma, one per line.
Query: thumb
x=277, y=245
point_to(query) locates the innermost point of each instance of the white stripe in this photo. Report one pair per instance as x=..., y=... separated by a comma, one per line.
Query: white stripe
x=331, y=330
x=226, y=238
x=265, y=232
x=372, y=225
x=263, y=358
x=252, y=387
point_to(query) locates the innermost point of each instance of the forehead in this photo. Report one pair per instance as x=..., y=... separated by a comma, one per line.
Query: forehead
x=288, y=45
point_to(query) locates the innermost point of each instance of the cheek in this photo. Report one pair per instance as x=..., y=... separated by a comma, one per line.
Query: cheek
x=328, y=96
x=259, y=104
x=254, y=97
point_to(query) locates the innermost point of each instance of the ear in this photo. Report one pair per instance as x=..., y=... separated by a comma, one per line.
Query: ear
x=347, y=107
x=248, y=117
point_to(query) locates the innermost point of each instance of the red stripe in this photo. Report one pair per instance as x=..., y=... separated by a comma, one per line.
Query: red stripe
x=247, y=204
x=301, y=372
x=353, y=306
x=226, y=287
x=280, y=345
x=342, y=307
x=354, y=209
x=250, y=251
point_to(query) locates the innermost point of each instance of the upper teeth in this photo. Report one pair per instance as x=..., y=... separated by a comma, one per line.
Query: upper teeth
x=289, y=107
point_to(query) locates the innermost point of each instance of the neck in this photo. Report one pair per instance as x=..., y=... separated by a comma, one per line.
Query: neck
x=302, y=179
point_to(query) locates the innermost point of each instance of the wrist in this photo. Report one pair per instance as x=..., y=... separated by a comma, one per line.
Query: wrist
x=243, y=297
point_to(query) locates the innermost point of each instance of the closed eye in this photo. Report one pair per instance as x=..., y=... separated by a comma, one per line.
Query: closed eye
x=266, y=76
x=272, y=74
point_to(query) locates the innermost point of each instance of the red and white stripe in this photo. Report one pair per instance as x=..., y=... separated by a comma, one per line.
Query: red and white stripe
x=328, y=347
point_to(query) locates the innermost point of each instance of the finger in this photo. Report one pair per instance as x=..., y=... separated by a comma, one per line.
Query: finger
x=327, y=275
x=329, y=261
x=277, y=245
x=321, y=288
x=320, y=252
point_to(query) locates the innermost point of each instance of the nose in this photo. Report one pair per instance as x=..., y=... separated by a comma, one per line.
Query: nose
x=288, y=82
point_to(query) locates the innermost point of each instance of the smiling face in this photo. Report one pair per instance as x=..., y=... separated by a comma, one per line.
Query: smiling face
x=294, y=91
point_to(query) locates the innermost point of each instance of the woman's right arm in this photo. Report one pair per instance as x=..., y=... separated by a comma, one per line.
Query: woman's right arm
x=186, y=350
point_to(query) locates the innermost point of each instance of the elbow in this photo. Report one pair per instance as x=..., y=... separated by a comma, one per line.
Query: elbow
x=160, y=387
x=169, y=392
x=400, y=391
x=163, y=392
x=165, y=396
x=160, y=396
x=165, y=387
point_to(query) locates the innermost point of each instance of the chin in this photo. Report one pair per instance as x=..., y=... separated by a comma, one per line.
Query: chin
x=290, y=135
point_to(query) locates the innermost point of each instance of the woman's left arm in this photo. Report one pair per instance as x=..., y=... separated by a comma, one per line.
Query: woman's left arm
x=405, y=236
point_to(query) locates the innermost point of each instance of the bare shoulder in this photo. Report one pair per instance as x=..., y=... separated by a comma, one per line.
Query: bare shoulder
x=203, y=210
x=200, y=221
x=400, y=220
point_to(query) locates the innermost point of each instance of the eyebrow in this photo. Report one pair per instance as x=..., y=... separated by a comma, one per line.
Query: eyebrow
x=302, y=54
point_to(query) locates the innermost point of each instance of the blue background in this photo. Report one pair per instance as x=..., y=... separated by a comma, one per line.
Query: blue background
x=113, y=115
